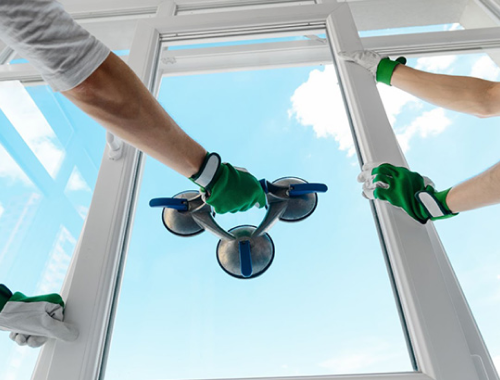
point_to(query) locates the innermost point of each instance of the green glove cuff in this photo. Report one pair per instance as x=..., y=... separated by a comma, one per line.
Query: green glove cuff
x=5, y=295
x=386, y=67
x=50, y=298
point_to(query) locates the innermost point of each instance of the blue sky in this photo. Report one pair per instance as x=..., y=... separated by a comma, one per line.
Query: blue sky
x=325, y=306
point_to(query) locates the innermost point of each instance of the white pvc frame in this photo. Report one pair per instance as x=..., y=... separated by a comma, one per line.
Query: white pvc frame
x=445, y=339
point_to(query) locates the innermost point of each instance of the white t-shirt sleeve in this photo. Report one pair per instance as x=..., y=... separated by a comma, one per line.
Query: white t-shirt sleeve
x=44, y=34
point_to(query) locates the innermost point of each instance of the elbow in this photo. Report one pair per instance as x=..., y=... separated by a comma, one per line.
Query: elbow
x=89, y=93
x=85, y=93
x=105, y=97
x=489, y=105
x=487, y=111
x=483, y=115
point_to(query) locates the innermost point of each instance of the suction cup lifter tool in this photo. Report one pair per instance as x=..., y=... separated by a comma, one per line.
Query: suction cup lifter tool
x=243, y=251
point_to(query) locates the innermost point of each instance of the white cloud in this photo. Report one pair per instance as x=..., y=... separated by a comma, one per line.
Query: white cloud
x=57, y=263
x=76, y=182
x=10, y=169
x=485, y=68
x=26, y=117
x=82, y=211
x=435, y=64
x=318, y=103
x=29, y=206
x=2, y=209
x=431, y=123
x=395, y=99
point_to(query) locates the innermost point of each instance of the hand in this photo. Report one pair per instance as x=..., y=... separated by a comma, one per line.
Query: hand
x=226, y=188
x=402, y=188
x=33, y=320
x=379, y=66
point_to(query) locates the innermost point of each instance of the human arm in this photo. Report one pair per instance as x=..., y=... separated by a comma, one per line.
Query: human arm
x=459, y=93
x=479, y=191
x=469, y=95
x=115, y=97
x=83, y=69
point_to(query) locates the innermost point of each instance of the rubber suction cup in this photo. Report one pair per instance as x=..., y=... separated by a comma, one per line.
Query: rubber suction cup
x=245, y=257
x=182, y=223
x=298, y=207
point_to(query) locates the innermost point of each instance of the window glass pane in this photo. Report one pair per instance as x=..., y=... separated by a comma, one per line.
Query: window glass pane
x=410, y=30
x=450, y=147
x=16, y=60
x=382, y=17
x=50, y=153
x=325, y=306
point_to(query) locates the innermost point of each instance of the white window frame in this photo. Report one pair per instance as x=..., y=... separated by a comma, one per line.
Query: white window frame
x=445, y=339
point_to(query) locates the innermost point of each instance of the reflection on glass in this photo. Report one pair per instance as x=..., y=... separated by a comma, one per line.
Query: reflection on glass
x=16, y=61
x=28, y=120
x=49, y=157
x=325, y=306
x=411, y=30
x=450, y=147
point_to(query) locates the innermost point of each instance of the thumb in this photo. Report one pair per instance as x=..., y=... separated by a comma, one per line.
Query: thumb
x=347, y=56
x=55, y=327
x=59, y=330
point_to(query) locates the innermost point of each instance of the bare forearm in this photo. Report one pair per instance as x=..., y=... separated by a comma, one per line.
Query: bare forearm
x=115, y=97
x=482, y=190
x=464, y=94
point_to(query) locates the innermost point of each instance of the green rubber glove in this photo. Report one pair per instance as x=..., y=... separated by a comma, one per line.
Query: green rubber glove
x=379, y=66
x=405, y=189
x=33, y=320
x=226, y=188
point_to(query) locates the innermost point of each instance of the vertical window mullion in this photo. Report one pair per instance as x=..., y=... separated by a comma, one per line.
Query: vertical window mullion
x=92, y=283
